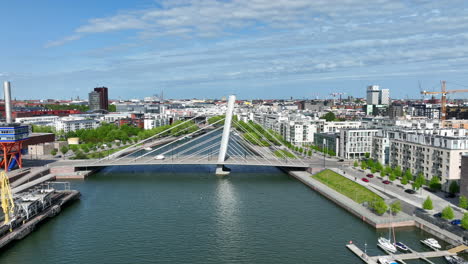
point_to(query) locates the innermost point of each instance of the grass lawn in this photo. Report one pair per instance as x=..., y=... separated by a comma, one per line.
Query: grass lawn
x=282, y=153
x=347, y=187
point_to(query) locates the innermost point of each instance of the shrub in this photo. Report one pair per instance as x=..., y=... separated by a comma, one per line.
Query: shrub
x=380, y=207
x=434, y=184
x=463, y=203
x=53, y=152
x=447, y=213
x=427, y=205
x=464, y=221
x=395, y=207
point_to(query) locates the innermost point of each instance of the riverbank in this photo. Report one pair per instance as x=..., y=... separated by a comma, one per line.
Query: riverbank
x=400, y=220
x=385, y=221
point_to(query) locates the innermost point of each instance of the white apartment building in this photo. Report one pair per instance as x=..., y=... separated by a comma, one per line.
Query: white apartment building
x=332, y=127
x=355, y=143
x=156, y=121
x=68, y=124
x=38, y=120
x=297, y=132
x=432, y=152
x=111, y=118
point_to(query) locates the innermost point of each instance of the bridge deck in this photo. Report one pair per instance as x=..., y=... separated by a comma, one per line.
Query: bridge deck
x=204, y=160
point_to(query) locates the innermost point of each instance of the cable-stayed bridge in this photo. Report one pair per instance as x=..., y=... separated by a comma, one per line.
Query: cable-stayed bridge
x=221, y=143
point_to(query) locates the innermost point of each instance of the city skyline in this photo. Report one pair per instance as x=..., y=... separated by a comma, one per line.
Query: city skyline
x=209, y=49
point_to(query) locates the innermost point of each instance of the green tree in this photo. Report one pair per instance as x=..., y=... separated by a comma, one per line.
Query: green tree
x=53, y=152
x=373, y=169
x=419, y=181
x=355, y=164
x=387, y=171
x=404, y=180
x=64, y=150
x=378, y=166
x=447, y=213
x=392, y=176
x=434, y=183
x=367, y=155
x=427, y=205
x=363, y=165
x=463, y=202
x=397, y=171
x=379, y=206
x=85, y=149
x=112, y=108
x=395, y=207
x=464, y=221
x=454, y=188
x=408, y=175
x=329, y=117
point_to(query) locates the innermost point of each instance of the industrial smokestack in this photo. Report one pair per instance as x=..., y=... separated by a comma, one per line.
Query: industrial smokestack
x=7, y=92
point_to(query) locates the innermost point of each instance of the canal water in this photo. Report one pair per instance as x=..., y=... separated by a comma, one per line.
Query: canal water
x=188, y=215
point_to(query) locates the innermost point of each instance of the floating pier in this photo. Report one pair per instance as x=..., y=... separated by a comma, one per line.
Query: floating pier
x=405, y=256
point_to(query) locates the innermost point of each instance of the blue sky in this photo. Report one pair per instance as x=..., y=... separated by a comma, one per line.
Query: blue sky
x=253, y=48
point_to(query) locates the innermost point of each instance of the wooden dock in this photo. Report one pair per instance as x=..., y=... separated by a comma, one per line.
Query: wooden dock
x=404, y=256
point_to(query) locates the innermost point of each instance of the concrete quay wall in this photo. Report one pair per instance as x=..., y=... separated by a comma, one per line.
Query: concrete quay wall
x=351, y=206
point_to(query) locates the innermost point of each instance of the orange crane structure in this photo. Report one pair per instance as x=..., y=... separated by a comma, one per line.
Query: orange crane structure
x=443, y=101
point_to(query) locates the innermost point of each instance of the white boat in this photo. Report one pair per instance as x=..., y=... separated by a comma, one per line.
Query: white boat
x=148, y=149
x=455, y=260
x=386, y=245
x=387, y=261
x=432, y=243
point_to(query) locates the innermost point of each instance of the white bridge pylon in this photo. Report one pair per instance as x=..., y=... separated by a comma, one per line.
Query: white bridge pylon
x=220, y=170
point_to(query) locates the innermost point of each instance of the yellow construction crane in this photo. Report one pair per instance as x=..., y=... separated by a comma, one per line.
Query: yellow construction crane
x=8, y=205
x=443, y=101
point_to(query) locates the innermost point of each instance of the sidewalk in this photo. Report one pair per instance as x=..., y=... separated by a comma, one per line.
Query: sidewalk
x=397, y=192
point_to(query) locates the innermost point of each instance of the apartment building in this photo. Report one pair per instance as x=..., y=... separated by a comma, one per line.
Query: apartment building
x=356, y=142
x=332, y=127
x=434, y=152
x=298, y=132
x=73, y=124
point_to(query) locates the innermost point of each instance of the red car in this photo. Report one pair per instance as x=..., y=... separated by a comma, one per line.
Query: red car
x=365, y=180
x=386, y=182
x=370, y=175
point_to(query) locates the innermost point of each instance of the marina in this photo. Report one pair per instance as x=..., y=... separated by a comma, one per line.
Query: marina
x=412, y=255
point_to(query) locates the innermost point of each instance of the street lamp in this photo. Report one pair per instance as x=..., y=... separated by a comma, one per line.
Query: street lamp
x=323, y=147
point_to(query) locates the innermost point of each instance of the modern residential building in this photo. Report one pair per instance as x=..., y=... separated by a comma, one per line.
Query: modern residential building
x=331, y=127
x=157, y=121
x=384, y=97
x=433, y=152
x=373, y=95
x=298, y=133
x=356, y=142
x=73, y=124
x=94, y=101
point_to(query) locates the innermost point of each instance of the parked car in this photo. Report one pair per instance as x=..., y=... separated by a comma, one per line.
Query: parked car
x=410, y=191
x=450, y=195
x=386, y=182
x=456, y=222
x=159, y=157
x=341, y=160
x=365, y=180
x=370, y=175
x=438, y=215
